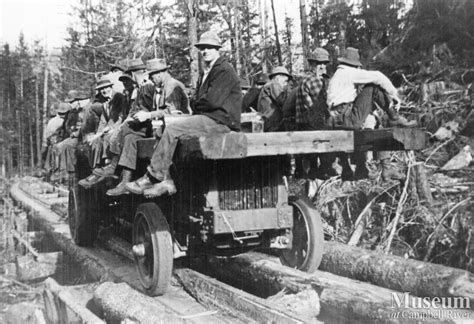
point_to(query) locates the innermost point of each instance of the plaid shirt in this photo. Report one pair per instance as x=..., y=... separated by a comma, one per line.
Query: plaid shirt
x=310, y=98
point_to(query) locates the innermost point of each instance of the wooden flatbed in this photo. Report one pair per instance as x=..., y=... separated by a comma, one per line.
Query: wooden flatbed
x=235, y=145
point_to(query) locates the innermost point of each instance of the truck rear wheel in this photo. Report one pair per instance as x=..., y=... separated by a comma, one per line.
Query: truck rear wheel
x=307, y=237
x=152, y=248
x=82, y=215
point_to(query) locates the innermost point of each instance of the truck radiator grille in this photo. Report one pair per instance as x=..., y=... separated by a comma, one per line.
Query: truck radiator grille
x=248, y=184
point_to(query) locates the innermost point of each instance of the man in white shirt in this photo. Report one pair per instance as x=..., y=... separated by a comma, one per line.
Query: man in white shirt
x=349, y=108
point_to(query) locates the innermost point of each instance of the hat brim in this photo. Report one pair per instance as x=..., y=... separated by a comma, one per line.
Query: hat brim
x=158, y=70
x=115, y=66
x=104, y=86
x=281, y=73
x=125, y=77
x=350, y=62
x=318, y=60
x=198, y=45
x=135, y=68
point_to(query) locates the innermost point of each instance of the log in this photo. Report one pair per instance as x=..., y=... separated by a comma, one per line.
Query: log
x=120, y=302
x=243, y=305
x=393, y=272
x=342, y=299
x=65, y=305
x=45, y=265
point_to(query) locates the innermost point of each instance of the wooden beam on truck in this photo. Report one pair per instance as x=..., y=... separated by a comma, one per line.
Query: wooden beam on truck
x=240, y=145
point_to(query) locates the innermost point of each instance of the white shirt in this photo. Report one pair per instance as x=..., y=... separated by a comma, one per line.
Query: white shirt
x=342, y=86
x=207, y=69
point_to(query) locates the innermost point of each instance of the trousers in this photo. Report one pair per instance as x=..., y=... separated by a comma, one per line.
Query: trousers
x=197, y=125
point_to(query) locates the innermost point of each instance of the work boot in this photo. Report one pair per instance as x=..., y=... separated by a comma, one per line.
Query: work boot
x=109, y=170
x=390, y=172
x=400, y=121
x=139, y=185
x=91, y=180
x=166, y=186
x=121, y=189
x=347, y=173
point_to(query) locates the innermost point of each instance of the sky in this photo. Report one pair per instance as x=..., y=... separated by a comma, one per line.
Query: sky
x=47, y=20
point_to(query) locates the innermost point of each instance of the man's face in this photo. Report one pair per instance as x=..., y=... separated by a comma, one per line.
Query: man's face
x=106, y=92
x=139, y=76
x=319, y=68
x=282, y=80
x=209, y=53
x=156, y=78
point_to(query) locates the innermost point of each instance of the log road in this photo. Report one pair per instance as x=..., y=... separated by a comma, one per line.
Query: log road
x=208, y=289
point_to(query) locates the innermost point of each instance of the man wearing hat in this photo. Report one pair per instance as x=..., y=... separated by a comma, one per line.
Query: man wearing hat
x=216, y=109
x=310, y=111
x=250, y=99
x=170, y=98
x=349, y=108
x=272, y=97
x=110, y=120
x=51, y=134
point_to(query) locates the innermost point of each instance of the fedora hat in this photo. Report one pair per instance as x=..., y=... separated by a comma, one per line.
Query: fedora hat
x=134, y=65
x=156, y=65
x=350, y=56
x=81, y=95
x=209, y=38
x=262, y=78
x=280, y=70
x=319, y=55
x=126, y=76
x=120, y=65
x=103, y=83
x=71, y=96
x=63, y=108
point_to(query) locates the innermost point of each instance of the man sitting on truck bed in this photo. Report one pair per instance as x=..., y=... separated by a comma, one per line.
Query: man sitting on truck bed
x=349, y=108
x=216, y=108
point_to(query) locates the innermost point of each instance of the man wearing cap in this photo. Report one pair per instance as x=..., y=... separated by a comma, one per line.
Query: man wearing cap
x=349, y=108
x=250, y=99
x=51, y=136
x=272, y=97
x=310, y=111
x=170, y=98
x=216, y=108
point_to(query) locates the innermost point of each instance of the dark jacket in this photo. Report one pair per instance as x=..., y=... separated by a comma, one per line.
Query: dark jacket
x=270, y=105
x=219, y=97
x=173, y=97
x=250, y=99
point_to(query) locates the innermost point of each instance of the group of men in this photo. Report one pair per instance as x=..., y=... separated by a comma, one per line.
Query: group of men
x=344, y=101
x=111, y=124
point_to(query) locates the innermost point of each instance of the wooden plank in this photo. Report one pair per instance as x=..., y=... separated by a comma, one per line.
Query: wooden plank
x=213, y=293
x=240, y=145
x=390, y=139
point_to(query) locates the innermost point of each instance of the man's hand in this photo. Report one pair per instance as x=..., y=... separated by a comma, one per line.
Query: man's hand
x=142, y=116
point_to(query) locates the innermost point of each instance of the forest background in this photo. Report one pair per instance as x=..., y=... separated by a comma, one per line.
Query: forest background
x=424, y=46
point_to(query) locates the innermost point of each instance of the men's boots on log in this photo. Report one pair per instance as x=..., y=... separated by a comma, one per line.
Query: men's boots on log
x=121, y=189
x=108, y=171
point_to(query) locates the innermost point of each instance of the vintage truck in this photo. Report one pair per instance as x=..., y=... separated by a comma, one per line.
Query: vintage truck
x=232, y=197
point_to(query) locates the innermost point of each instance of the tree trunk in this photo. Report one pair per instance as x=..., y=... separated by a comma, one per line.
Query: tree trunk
x=20, y=125
x=342, y=299
x=192, y=35
x=30, y=138
x=38, y=124
x=45, y=101
x=277, y=37
x=417, y=277
x=238, y=45
x=264, y=33
x=304, y=33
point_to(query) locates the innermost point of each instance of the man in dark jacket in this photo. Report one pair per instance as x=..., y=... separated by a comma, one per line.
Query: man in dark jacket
x=216, y=108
